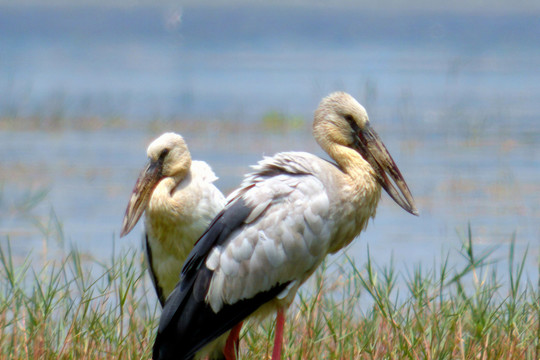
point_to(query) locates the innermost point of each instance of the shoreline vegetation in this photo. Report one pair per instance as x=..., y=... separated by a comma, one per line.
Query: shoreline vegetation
x=70, y=306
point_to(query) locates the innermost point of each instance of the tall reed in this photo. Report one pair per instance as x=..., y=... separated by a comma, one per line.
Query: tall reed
x=78, y=308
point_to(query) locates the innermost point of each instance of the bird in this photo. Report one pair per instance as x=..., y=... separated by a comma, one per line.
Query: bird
x=293, y=210
x=179, y=200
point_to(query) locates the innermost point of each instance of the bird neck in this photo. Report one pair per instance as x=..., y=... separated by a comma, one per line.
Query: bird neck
x=168, y=202
x=358, y=195
x=169, y=184
x=358, y=173
x=178, y=171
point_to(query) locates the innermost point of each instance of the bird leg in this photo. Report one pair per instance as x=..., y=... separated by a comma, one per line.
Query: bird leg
x=278, y=336
x=233, y=341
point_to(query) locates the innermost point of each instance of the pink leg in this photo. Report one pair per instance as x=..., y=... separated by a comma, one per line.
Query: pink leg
x=233, y=341
x=278, y=338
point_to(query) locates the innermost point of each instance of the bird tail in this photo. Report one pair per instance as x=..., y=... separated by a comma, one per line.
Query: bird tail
x=188, y=323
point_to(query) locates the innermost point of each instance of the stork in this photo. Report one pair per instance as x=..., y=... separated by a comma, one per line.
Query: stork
x=276, y=229
x=179, y=200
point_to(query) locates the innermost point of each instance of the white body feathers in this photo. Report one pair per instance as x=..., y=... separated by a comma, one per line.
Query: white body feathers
x=175, y=220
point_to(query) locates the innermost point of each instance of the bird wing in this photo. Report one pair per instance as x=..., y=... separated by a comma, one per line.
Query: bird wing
x=150, y=267
x=272, y=233
x=283, y=239
x=188, y=322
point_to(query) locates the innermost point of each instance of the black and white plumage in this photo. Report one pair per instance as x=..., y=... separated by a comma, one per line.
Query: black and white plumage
x=179, y=200
x=276, y=229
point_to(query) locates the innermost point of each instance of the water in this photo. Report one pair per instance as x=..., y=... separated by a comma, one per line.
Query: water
x=454, y=98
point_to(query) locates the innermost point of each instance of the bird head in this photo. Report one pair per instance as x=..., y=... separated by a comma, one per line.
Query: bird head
x=341, y=122
x=168, y=156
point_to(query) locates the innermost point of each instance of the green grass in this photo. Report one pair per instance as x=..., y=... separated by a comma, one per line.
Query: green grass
x=79, y=308
x=448, y=313
x=75, y=308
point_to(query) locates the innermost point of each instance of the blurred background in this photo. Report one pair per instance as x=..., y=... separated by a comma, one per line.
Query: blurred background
x=452, y=89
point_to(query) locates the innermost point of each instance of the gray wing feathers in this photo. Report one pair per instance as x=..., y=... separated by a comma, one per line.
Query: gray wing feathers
x=287, y=238
x=290, y=163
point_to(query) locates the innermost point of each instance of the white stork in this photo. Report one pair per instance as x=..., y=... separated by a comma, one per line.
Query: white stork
x=179, y=200
x=292, y=211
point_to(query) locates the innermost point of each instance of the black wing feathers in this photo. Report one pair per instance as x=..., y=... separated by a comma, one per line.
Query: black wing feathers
x=197, y=324
x=150, y=266
x=187, y=321
x=228, y=220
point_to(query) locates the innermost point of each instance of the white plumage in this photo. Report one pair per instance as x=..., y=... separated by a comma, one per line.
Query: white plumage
x=179, y=199
x=286, y=217
x=174, y=221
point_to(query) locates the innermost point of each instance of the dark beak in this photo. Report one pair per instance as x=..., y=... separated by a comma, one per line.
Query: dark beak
x=370, y=146
x=147, y=181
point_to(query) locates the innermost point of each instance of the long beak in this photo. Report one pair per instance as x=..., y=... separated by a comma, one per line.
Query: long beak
x=373, y=150
x=140, y=197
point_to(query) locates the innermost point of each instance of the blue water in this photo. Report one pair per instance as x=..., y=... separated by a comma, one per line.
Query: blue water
x=148, y=62
x=454, y=97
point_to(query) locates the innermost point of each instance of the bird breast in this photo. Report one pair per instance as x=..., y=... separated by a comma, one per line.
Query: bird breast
x=177, y=215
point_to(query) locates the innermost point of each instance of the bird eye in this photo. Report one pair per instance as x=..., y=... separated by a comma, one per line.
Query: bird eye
x=163, y=153
x=351, y=121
